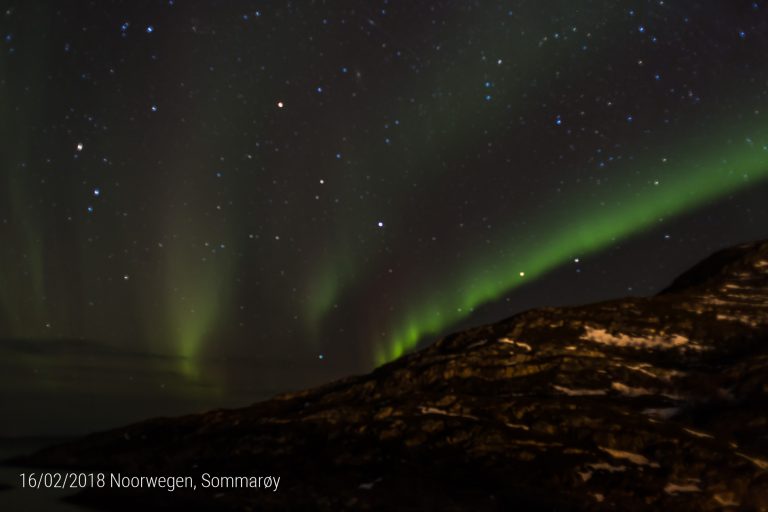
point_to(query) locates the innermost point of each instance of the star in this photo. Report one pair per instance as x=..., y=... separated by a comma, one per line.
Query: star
x=453, y=143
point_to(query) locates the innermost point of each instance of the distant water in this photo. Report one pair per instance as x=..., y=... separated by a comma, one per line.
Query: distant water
x=32, y=500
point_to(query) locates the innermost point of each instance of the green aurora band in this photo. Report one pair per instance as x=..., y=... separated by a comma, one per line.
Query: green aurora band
x=444, y=131
x=196, y=285
x=336, y=272
x=590, y=225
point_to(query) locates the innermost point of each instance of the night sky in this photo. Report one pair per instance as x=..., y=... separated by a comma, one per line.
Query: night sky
x=203, y=203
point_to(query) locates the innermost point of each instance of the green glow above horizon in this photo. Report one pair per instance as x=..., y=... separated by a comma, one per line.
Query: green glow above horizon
x=586, y=227
x=196, y=290
x=194, y=308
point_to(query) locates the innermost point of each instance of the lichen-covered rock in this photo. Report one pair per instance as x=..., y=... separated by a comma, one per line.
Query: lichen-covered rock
x=633, y=404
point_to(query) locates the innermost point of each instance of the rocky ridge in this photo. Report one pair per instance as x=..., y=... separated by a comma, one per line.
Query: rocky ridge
x=630, y=404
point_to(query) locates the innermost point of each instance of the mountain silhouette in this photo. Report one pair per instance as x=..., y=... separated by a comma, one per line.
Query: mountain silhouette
x=629, y=404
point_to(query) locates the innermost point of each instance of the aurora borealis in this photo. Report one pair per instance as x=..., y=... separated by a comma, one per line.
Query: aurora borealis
x=694, y=182
x=264, y=194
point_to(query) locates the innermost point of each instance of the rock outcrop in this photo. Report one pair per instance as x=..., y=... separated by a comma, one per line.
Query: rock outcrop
x=633, y=404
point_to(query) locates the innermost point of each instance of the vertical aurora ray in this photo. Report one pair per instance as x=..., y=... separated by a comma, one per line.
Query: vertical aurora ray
x=195, y=284
x=337, y=273
x=585, y=228
x=198, y=292
x=195, y=278
x=22, y=253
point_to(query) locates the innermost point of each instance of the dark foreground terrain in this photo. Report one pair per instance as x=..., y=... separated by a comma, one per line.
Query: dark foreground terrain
x=646, y=403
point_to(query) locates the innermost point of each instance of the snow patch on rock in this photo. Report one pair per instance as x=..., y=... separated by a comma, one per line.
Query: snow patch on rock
x=726, y=499
x=672, y=488
x=661, y=341
x=518, y=344
x=435, y=410
x=634, y=458
x=760, y=463
x=630, y=391
x=578, y=392
x=698, y=434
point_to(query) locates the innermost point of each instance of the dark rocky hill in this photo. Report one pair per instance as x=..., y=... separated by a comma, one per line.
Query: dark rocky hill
x=656, y=403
